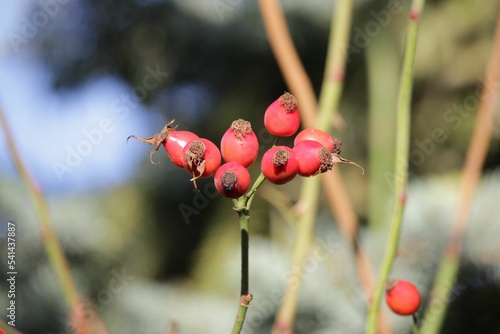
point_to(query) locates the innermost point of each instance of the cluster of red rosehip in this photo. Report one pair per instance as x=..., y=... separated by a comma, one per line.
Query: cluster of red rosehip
x=314, y=151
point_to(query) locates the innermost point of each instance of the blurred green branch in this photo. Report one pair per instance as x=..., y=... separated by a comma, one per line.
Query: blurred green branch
x=300, y=86
x=401, y=163
x=51, y=243
x=474, y=161
x=8, y=329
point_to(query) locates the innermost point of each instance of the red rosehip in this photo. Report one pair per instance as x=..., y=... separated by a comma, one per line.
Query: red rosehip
x=282, y=116
x=240, y=144
x=232, y=180
x=202, y=158
x=331, y=143
x=174, y=145
x=402, y=297
x=313, y=158
x=279, y=164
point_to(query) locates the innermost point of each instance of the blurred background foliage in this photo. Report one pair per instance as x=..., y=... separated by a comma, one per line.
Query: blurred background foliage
x=175, y=265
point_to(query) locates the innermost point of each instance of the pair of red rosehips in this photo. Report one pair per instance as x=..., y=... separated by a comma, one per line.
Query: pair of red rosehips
x=202, y=158
x=314, y=151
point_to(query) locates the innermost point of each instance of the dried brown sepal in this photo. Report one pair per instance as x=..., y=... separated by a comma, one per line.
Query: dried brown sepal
x=195, y=157
x=228, y=181
x=391, y=284
x=326, y=160
x=337, y=143
x=337, y=159
x=241, y=128
x=289, y=102
x=280, y=157
x=157, y=139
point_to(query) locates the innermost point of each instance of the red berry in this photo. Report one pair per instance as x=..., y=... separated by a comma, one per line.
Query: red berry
x=331, y=143
x=202, y=158
x=282, y=116
x=174, y=145
x=279, y=164
x=232, y=180
x=313, y=157
x=402, y=297
x=240, y=144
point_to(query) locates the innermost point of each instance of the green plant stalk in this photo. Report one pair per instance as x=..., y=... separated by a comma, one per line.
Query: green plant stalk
x=242, y=206
x=304, y=237
x=49, y=239
x=245, y=296
x=7, y=328
x=401, y=163
x=336, y=58
x=445, y=278
x=415, y=324
x=474, y=161
x=309, y=197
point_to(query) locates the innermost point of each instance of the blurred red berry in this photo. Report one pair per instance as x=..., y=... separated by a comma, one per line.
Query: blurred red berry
x=174, y=145
x=282, y=116
x=232, y=180
x=331, y=143
x=279, y=164
x=313, y=158
x=402, y=297
x=202, y=158
x=239, y=143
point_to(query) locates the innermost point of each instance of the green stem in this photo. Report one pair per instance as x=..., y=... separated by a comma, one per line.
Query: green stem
x=49, y=238
x=336, y=58
x=245, y=296
x=249, y=196
x=441, y=291
x=7, y=328
x=401, y=163
x=242, y=206
x=471, y=174
x=289, y=302
x=244, y=217
x=309, y=197
x=415, y=324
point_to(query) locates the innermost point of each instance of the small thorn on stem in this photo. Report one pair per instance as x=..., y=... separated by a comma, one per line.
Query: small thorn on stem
x=414, y=15
x=403, y=197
